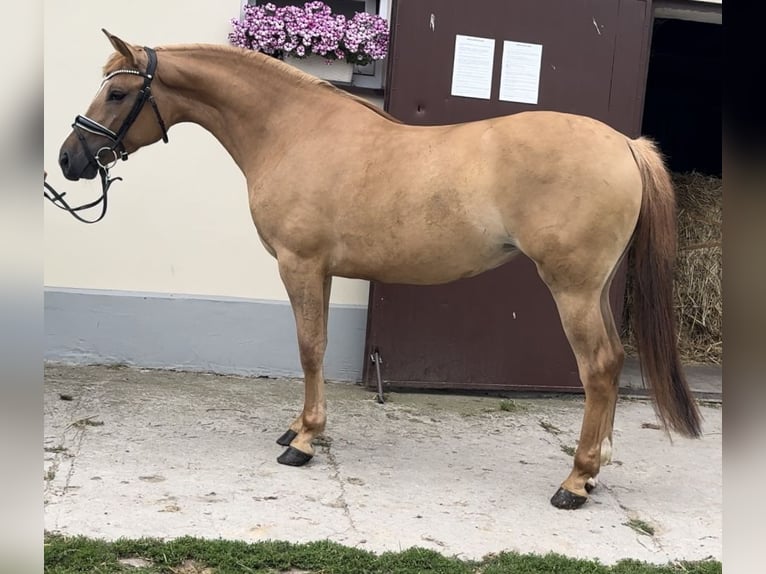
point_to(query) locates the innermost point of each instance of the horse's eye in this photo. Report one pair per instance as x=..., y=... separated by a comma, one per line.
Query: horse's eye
x=115, y=96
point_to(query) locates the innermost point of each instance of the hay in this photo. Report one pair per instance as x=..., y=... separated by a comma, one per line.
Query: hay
x=697, y=289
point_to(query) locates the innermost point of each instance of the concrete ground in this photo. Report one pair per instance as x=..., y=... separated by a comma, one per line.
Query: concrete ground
x=131, y=453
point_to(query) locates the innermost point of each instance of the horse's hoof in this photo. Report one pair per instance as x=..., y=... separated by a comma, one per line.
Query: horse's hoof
x=566, y=500
x=294, y=457
x=287, y=438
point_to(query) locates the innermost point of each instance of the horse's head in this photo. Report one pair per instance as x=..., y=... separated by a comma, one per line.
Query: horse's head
x=117, y=122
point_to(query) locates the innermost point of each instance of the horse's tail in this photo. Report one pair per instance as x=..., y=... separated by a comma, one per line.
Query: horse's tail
x=654, y=325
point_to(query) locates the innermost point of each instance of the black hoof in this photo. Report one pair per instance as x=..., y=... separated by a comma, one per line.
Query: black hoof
x=294, y=457
x=287, y=438
x=567, y=500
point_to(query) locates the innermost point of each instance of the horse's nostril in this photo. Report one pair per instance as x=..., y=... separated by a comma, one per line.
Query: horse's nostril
x=64, y=160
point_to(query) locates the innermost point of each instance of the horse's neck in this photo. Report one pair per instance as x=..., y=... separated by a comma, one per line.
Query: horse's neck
x=249, y=104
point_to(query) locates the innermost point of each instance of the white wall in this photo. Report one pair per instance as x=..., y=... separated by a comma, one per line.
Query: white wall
x=179, y=222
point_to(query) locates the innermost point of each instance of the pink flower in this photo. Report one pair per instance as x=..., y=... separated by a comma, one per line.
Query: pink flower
x=311, y=29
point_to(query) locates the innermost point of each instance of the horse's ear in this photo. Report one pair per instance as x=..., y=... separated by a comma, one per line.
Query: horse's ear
x=130, y=52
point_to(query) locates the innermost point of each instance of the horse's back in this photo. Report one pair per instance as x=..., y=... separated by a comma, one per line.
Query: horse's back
x=517, y=175
x=414, y=204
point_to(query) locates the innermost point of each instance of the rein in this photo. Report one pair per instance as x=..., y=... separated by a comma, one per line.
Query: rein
x=117, y=149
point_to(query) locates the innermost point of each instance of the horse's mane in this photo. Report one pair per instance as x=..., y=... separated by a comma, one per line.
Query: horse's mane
x=117, y=61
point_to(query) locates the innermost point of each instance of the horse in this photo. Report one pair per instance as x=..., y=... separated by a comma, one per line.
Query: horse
x=420, y=205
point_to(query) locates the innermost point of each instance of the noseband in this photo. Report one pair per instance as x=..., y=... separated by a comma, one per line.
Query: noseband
x=117, y=148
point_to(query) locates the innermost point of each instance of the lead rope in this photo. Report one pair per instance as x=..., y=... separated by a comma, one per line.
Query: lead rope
x=58, y=200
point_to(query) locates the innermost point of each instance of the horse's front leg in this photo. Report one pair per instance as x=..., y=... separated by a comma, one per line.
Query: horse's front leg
x=309, y=290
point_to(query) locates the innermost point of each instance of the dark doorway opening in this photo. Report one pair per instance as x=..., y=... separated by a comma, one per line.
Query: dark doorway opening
x=682, y=106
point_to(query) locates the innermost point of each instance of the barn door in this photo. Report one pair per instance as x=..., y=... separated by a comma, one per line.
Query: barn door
x=499, y=330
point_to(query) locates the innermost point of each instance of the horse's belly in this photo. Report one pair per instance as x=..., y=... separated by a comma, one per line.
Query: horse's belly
x=424, y=259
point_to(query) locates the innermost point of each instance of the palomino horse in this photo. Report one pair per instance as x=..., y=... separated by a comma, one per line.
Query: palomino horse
x=419, y=205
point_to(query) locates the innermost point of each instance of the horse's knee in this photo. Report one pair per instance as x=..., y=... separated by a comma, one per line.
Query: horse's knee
x=312, y=358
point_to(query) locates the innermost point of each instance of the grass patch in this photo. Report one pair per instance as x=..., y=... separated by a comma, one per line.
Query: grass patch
x=566, y=449
x=511, y=406
x=86, y=422
x=80, y=555
x=550, y=427
x=640, y=526
x=118, y=366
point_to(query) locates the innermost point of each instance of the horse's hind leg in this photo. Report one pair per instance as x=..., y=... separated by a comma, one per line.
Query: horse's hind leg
x=607, y=443
x=309, y=291
x=589, y=327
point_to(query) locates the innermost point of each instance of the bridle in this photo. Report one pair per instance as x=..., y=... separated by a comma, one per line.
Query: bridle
x=117, y=148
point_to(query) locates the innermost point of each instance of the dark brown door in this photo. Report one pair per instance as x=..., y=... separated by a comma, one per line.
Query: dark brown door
x=500, y=330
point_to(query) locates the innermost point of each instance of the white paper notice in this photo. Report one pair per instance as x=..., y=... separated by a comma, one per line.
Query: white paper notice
x=520, y=75
x=472, y=69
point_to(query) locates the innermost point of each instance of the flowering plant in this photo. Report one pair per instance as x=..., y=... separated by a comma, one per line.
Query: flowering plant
x=311, y=29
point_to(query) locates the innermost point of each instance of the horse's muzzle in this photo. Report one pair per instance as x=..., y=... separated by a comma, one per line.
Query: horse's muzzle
x=76, y=166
